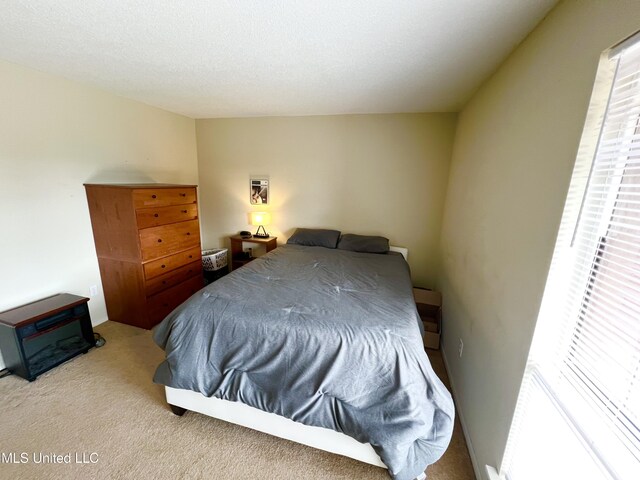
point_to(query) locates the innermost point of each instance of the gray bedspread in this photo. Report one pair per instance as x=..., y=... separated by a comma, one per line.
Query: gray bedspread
x=322, y=336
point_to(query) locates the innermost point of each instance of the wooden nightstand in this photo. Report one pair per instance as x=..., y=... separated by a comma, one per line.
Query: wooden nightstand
x=237, y=248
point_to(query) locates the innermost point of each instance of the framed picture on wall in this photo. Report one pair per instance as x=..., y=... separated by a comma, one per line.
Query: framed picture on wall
x=259, y=191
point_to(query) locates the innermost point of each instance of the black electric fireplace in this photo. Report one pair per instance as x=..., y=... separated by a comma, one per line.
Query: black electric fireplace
x=36, y=337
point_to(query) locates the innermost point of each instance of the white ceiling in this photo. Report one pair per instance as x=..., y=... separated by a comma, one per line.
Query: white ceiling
x=216, y=58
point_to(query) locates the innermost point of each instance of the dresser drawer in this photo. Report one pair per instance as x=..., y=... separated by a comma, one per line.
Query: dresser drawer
x=166, y=264
x=162, y=304
x=161, y=197
x=153, y=217
x=169, y=279
x=161, y=241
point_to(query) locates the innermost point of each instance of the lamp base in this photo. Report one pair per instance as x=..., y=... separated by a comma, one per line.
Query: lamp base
x=264, y=233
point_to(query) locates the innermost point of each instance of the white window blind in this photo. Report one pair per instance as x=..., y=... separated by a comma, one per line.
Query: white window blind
x=578, y=414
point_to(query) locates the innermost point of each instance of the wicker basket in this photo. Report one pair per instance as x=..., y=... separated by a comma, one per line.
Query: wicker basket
x=214, y=259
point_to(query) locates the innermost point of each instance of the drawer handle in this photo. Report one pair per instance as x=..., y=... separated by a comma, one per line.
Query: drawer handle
x=162, y=266
x=155, y=215
x=153, y=196
x=159, y=240
x=184, y=211
x=188, y=233
x=190, y=256
x=183, y=194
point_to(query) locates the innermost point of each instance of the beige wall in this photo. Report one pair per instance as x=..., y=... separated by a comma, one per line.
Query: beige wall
x=54, y=136
x=368, y=174
x=514, y=151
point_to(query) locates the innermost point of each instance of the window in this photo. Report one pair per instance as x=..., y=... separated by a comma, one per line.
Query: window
x=578, y=413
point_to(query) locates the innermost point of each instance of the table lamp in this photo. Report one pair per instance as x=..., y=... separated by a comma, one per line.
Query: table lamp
x=260, y=219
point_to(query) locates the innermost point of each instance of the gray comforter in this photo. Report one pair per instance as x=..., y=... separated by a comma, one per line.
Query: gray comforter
x=325, y=337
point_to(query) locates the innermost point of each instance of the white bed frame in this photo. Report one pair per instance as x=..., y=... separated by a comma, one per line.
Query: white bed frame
x=276, y=425
x=402, y=250
x=273, y=424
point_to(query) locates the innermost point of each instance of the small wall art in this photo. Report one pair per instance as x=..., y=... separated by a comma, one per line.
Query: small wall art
x=259, y=191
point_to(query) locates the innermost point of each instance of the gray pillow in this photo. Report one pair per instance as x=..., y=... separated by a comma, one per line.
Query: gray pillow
x=312, y=237
x=363, y=243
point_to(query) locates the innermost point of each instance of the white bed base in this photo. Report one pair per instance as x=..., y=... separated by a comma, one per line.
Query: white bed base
x=276, y=425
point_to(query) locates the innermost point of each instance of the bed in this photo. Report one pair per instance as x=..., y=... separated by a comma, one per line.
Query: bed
x=318, y=345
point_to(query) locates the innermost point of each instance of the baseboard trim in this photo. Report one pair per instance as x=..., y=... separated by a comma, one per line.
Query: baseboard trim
x=95, y=323
x=465, y=431
x=493, y=474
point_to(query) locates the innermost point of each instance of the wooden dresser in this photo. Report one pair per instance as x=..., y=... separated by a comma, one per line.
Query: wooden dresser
x=147, y=239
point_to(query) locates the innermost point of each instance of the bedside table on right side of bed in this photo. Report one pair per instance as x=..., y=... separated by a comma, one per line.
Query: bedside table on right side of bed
x=237, y=248
x=429, y=305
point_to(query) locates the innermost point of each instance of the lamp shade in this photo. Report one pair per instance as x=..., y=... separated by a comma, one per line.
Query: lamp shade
x=260, y=218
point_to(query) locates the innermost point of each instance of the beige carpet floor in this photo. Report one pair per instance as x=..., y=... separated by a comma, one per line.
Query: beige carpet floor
x=104, y=402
